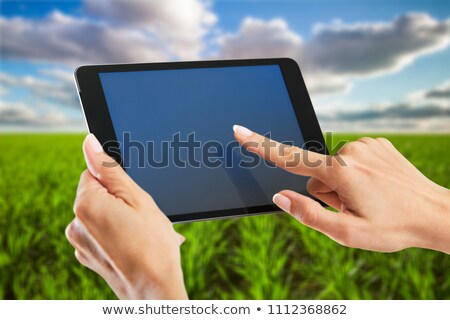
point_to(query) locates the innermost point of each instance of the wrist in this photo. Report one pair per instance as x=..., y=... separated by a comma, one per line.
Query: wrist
x=174, y=291
x=150, y=284
x=166, y=284
x=433, y=231
x=155, y=289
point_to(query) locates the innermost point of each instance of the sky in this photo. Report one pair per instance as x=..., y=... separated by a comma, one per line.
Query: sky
x=368, y=65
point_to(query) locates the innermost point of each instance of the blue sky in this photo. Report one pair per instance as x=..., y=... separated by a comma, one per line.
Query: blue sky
x=36, y=56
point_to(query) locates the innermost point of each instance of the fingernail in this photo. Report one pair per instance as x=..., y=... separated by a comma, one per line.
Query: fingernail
x=93, y=144
x=282, y=201
x=242, y=131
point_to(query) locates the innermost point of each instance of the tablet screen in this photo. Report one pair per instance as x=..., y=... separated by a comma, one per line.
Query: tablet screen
x=174, y=129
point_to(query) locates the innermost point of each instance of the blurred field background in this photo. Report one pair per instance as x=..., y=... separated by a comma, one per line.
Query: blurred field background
x=262, y=257
x=369, y=66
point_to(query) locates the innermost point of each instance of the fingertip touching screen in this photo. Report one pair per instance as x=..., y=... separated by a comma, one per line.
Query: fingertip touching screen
x=174, y=129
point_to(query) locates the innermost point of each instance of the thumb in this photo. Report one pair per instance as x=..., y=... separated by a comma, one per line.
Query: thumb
x=107, y=171
x=310, y=213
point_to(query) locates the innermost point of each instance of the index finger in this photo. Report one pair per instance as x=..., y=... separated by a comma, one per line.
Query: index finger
x=291, y=158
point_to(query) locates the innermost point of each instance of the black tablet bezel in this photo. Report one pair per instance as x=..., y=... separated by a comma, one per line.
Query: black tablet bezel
x=100, y=124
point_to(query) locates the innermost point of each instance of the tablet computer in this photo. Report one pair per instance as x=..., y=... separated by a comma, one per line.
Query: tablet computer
x=170, y=127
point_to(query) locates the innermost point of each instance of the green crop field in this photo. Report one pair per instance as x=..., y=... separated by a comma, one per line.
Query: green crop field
x=263, y=257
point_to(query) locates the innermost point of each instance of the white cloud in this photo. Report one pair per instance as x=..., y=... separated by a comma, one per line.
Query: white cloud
x=42, y=107
x=440, y=93
x=18, y=114
x=180, y=24
x=259, y=39
x=121, y=31
x=60, y=38
x=336, y=55
x=427, y=110
x=3, y=90
x=339, y=53
x=366, y=49
x=62, y=74
x=59, y=90
x=132, y=31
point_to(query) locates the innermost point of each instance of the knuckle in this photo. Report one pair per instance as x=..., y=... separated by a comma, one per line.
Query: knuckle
x=105, y=162
x=381, y=140
x=366, y=140
x=337, y=161
x=108, y=163
x=105, y=173
x=115, y=177
x=384, y=141
x=307, y=214
x=80, y=206
x=82, y=258
x=350, y=147
x=290, y=154
x=75, y=234
x=345, y=237
x=70, y=231
x=83, y=179
x=108, y=168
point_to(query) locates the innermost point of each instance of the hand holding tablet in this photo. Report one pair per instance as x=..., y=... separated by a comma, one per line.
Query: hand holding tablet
x=121, y=234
